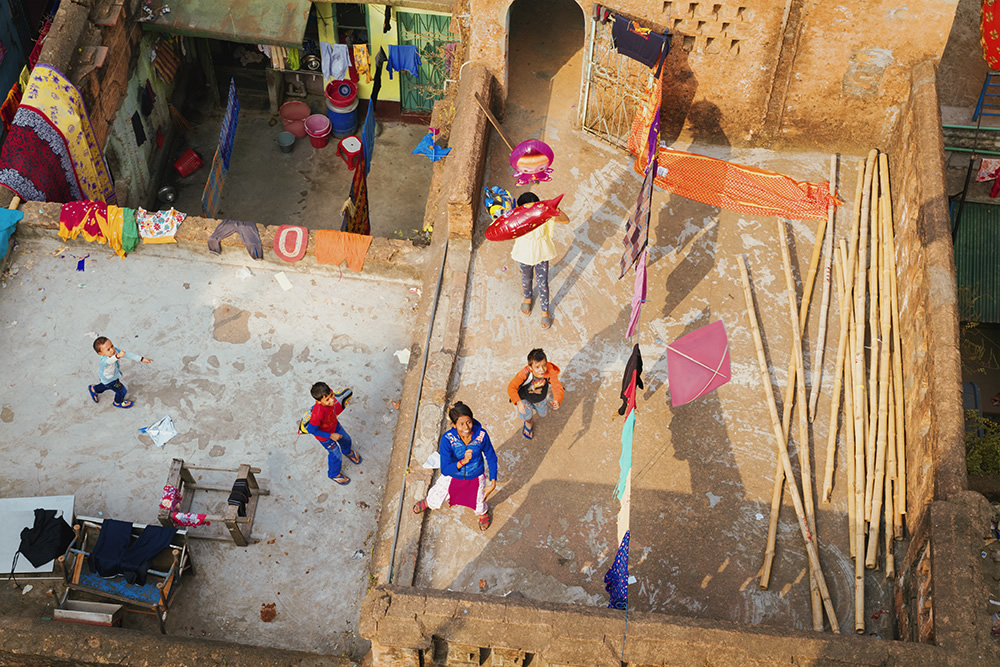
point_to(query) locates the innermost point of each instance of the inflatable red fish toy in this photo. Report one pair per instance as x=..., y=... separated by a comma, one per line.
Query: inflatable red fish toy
x=523, y=219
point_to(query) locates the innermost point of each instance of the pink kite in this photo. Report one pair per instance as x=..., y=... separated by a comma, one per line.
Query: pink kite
x=698, y=363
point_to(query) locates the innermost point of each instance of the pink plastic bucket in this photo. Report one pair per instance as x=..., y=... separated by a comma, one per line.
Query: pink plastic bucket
x=318, y=128
x=298, y=128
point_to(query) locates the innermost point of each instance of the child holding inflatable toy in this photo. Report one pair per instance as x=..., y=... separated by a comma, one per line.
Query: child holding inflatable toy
x=533, y=252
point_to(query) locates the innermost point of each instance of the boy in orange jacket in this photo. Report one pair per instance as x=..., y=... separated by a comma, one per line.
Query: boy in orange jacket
x=529, y=390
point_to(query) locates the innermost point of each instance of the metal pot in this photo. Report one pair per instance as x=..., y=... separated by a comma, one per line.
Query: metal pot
x=312, y=63
x=167, y=194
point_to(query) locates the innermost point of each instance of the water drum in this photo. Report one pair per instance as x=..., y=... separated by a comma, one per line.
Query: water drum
x=290, y=242
x=343, y=119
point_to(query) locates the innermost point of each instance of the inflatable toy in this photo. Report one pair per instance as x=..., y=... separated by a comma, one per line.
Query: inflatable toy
x=531, y=161
x=523, y=219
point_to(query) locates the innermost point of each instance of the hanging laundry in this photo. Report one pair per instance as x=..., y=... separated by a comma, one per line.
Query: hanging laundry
x=362, y=61
x=158, y=226
x=989, y=169
x=336, y=60
x=165, y=61
x=293, y=59
x=625, y=460
x=387, y=23
x=632, y=367
x=9, y=107
x=66, y=165
x=638, y=294
x=430, y=149
x=212, y=194
x=368, y=135
x=449, y=56
x=138, y=129
x=82, y=217
x=616, y=579
x=8, y=225
x=637, y=226
x=640, y=43
x=248, y=234
x=130, y=230
x=111, y=229
x=227, y=135
x=404, y=58
x=625, y=509
x=380, y=60
x=333, y=247
x=189, y=519
x=36, y=52
x=240, y=495
x=147, y=99
x=356, y=221
x=171, y=499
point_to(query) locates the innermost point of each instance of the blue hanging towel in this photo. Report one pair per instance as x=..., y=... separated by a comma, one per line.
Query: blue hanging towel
x=8, y=223
x=404, y=59
x=368, y=135
x=616, y=580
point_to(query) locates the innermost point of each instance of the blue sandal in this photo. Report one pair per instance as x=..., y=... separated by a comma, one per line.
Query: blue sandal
x=124, y=405
x=93, y=394
x=354, y=457
x=527, y=431
x=342, y=480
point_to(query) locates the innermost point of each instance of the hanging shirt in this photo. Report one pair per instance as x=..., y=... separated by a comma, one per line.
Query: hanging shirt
x=535, y=247
x=639, y=43
x=634, y=365
x=361, y=61
x=336, y=60
x=158, y=226
x=404, y=59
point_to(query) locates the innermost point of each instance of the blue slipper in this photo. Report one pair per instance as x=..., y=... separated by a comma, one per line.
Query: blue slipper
x=342, y=480
x=354, y=457
x=124, y=405
x=527, y=432
x=93, y=394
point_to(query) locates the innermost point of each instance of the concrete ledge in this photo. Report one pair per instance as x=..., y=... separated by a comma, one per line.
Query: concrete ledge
x=410, y=619
x=394, y=260
x=464, y=173
x=32, y=643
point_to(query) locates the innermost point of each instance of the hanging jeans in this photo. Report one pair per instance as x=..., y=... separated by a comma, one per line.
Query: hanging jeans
x=541, y=273
x=337, y=450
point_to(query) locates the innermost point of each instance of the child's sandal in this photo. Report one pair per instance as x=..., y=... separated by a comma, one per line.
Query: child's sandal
x=354, y=457
x=93, y=394
x=342, y=480
x=484, y=522
x=420, y=506
x=124, y=405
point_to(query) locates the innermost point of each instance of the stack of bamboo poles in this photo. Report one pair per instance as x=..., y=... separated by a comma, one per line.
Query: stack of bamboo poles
x=873, y=405
x=865, y=269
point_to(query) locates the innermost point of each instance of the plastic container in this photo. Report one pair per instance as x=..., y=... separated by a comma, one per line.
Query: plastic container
x=318, y=128
x=188, y=163
x=297, y=128
x=343, y=119
x=293, y=111
x=341, y=93
x=285, y=141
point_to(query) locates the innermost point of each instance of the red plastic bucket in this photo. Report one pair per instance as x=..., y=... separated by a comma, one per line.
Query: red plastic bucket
x=293, y=111
x=341, y=93
x=298, y=128
x=318, y=128
x=188, y=163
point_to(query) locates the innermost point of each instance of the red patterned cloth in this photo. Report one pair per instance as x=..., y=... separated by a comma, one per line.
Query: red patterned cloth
x=9, y=107
x=171, y=499
x=189, y=519
x=83, y=217
x=989, y=33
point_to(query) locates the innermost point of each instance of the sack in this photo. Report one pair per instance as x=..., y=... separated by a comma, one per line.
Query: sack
x=47, y=539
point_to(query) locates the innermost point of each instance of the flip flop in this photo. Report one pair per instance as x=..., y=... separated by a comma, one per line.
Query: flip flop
x=342, y=480
x=420, y=506
x=527, y=431
x=93, y=394
x=354, y=457
x=526, y=307
x=124, y=405
x=546, y=321
x=484, y=522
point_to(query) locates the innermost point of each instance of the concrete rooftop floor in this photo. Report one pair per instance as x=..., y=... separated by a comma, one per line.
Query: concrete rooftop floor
x=703, y=472
x=234, y=358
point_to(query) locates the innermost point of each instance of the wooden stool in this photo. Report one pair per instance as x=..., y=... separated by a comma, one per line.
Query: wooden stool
x=240, y=527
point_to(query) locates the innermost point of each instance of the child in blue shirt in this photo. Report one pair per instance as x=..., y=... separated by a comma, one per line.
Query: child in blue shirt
x=110, y=373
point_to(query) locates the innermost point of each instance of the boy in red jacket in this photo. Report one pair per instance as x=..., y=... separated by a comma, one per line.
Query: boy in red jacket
x=324, y=425
x=529, y=390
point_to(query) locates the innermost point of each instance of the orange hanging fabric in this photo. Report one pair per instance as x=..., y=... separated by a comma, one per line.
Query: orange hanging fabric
x=724, y=184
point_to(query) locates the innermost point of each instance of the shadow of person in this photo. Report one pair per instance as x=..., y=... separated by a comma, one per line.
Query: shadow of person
x=679, y=87
x=705, y=123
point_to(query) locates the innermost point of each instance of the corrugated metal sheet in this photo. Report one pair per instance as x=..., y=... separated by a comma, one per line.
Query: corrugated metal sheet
x=279, y=22
x=977, y=260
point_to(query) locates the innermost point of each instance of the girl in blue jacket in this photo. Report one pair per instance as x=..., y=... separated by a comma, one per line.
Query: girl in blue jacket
x=466, y=453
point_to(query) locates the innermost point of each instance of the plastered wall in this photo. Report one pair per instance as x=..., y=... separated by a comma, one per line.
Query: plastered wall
x=772, y=72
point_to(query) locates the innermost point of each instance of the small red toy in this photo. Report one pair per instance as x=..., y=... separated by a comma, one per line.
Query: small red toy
x=523, y=219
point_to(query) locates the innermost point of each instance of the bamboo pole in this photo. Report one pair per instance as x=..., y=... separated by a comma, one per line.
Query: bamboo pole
x=897, y=364
x=890, y=560
x=873, y=342
x=824, y=307
x=857, y=375
x=853, y=511
x=805, y=450
x=881, y=297
x=886, y=248
x=807, y=536
x=838, y=376
x=779, y=473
